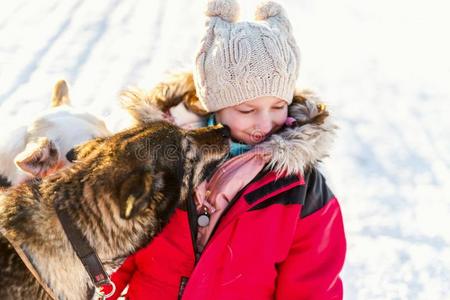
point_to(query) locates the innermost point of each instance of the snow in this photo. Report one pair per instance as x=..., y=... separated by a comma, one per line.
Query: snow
x=383, y=67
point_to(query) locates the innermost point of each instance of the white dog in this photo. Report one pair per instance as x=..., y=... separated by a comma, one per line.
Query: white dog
x=39, y=148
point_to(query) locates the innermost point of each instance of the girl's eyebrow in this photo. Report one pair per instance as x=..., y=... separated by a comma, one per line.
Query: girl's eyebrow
x=244, y=105
x=280, y=102
x=250, y=105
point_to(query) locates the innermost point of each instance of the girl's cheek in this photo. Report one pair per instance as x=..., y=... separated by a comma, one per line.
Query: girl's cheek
x=280, y=118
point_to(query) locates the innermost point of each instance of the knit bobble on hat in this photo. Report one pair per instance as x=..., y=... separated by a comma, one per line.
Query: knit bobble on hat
x=268, y=9
x=271, y=11
x=228, y=10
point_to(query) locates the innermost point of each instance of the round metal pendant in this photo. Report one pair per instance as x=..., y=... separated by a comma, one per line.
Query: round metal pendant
x=203, y=220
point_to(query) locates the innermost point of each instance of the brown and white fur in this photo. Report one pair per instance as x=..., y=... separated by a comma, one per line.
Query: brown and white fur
x=120, y=192
x=38, y=148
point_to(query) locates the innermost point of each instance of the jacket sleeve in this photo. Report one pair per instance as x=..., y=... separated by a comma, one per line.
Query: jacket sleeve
x=121, y=277
x=311, y=269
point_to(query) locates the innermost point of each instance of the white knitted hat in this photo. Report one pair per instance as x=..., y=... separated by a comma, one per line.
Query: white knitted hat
x=239, y=61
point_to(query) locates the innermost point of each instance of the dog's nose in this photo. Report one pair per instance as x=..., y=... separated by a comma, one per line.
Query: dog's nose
x=226, y=132
x=70, y=155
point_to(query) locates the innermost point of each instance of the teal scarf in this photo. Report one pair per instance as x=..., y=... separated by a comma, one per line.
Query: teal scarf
x=236, y=147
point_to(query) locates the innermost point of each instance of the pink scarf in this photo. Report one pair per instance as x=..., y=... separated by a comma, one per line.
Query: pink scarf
x=226, y=182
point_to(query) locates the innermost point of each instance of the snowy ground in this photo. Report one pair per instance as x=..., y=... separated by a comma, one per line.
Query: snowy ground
x=382, y=66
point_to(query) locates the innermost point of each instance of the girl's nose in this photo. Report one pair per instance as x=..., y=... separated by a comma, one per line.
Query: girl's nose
x=264, y=126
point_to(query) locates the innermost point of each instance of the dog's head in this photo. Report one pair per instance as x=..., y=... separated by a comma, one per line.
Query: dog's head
x=51, y=135
x=152, y=166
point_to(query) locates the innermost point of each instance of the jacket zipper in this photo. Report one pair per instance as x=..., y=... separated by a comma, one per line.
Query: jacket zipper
x=192, y=219
x=183, y=283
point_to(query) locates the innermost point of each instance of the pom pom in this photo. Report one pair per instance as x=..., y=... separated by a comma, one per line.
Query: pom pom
x=228, y=10
x=268, y=9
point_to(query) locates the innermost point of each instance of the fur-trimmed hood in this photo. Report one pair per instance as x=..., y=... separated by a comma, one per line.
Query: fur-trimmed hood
x=293, y=149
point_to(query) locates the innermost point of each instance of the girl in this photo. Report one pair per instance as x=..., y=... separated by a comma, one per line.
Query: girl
x=264, y=225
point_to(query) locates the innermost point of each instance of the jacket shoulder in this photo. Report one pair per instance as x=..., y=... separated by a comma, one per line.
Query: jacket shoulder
x=312, y=194
x=317, y=193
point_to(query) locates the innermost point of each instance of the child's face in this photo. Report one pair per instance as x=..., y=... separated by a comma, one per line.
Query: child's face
x=253, y=121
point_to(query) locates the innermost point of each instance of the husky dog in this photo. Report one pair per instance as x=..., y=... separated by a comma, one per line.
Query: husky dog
x=120, y=192
x=38, y=149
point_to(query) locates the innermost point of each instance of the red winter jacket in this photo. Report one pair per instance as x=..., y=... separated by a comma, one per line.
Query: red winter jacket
x=278, y=239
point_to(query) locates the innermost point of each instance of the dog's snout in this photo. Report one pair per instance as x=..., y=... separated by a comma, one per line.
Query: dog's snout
x=226, y=132
x=70, y=155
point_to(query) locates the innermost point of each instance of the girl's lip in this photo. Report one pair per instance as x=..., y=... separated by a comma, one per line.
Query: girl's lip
x=258, y=137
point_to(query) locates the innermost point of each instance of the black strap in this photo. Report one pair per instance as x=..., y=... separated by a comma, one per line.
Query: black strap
x=84, y=251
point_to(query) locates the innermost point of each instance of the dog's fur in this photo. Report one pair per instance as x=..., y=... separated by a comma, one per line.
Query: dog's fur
x=120, y=192
x=38, y=148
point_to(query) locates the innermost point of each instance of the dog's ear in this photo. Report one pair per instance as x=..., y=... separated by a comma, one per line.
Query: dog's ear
x=60, y=94
x=38, y=158
x=136, y=192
